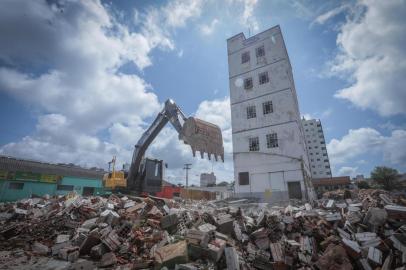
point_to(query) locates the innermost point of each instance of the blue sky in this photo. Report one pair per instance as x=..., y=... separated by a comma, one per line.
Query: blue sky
x=80, y=81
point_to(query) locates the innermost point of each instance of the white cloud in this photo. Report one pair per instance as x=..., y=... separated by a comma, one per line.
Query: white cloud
x=368, y=141
x=308, y=116
x=247, y=18
x=180, y=53
x=323, y=18
x=372, y=55
x=208, y=29
x=74, y=51
x=348, y=171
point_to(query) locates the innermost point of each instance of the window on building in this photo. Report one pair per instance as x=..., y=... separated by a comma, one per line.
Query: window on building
x=317, y=153
x=311, y=154
x=320, y=131
x=306, y=129
x=318, y=159
x=327, y=167
x=248, y=83
x=64, y=187
x=15, y=185
x=263, y=77
x=311, y=124
x=310, y=147
x=320, y=172
x=245, y=57
x=251, y=112
x=323, y=142
x=315, y=172
x=267, y=107
x=313, y=166
x=329, y=173
x=323, y=148
x=316, y=147
x=306, y=125
x=326, y=160
x=321, y=137
x=260, y=51
x=254, y=144
x=272, y=140
x=243, y=178
x=308, y=141
x=312, y=160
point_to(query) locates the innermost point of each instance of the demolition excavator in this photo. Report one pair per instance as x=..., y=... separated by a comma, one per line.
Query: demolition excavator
x=202, y=136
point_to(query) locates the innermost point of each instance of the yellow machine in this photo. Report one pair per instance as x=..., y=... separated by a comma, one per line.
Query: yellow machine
x=114, y=178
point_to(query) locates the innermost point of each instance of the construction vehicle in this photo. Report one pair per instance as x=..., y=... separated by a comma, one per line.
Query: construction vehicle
x=200, y=135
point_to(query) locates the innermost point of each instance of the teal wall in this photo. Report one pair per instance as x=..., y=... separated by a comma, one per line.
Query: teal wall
x=40, y=189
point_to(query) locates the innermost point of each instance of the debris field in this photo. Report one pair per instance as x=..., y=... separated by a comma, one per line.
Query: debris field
x=362, y=229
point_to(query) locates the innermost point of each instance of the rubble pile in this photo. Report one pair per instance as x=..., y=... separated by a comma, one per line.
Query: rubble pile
x=355, y=230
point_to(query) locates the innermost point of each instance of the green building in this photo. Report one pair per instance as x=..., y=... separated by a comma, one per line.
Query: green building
x=25, y=178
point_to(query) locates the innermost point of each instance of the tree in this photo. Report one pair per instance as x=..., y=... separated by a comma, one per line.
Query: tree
x=385, y=176
x=222, y=184
x=363, y=185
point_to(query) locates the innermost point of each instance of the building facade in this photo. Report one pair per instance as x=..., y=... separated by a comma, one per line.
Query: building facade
x=26, y=178
x=316, y=148
x=322, y=185
x=270, y=159
x=207, y=179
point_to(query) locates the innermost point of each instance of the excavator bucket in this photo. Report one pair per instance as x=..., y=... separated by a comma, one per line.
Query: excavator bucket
x=204, y=137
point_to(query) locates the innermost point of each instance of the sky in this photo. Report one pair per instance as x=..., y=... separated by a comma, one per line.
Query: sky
x=81, y=80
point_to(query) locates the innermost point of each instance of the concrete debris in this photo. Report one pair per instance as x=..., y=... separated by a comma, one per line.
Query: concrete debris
x=344, y=230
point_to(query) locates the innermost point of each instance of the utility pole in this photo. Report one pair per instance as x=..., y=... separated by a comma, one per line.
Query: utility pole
x=187, y=168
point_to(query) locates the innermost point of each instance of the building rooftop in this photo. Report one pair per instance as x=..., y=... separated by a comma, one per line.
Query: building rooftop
x=8, y=163
x=340, y=180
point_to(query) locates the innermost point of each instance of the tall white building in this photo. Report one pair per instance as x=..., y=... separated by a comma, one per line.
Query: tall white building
x=270, y=160
x=207, y=179
x=316, y=148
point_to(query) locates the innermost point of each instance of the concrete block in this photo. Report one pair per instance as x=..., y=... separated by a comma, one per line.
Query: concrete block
x=170, y=255
x=39, y=248
x=197, y=237
x=169, y=221
x=108, y=259
x=111, y=240
x=232, y=259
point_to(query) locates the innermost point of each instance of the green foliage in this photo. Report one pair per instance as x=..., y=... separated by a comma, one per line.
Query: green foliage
x=385, y=176
x=363, y=185
x=222, y=184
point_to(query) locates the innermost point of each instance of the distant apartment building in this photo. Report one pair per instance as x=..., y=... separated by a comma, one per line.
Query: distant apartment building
x=207, y=179
x=269, y=152
x=316, y=148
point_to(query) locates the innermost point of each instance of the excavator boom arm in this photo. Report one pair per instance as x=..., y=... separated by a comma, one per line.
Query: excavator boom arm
x=200, y=135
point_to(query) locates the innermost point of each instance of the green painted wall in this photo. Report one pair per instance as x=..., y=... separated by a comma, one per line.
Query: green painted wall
x=40, y=189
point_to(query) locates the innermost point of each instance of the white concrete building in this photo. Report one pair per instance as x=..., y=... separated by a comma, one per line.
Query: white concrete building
x=316, y=148
x=270, y=159
x=207, y=179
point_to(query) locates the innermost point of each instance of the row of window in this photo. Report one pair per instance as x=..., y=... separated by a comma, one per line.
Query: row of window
x=267, y=108
x=317, y=153
x=327, y=167
x=322, y=148
x=259, y=52
x=312, y=160
x=263, y=78
x=327, y=173
x=322, y=142
x=271, y=142
x=311, y=123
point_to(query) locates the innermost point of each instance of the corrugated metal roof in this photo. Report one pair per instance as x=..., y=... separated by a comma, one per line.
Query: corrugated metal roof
x=340, y=180
x=23, y=165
